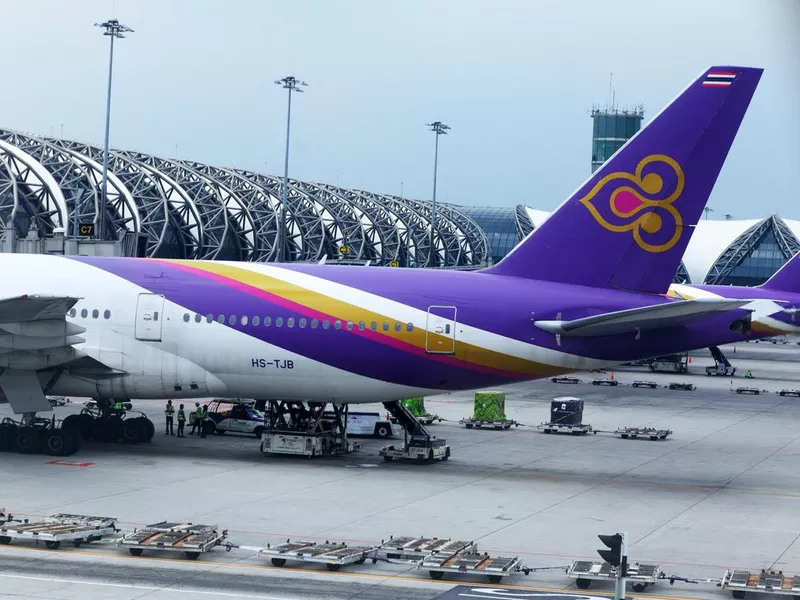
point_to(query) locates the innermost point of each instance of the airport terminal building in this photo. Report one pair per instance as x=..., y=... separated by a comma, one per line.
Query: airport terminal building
x=171, y=208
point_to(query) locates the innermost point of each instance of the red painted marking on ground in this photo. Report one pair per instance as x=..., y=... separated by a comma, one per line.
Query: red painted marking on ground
x=65, y=463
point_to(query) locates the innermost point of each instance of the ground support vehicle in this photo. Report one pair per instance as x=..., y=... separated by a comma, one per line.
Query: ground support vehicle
x=418, y=444
x=789, y=392
x=577, y=429
x=648, y=384
x=60, y=528
x=234, y=416
x=639, y=575
x=643, y=432
x=333, y=555
x=565, y=379
x=192, y=540
x=676, y=363
x=739, y=582
x=413, y=549
x=34, y=435
x=681, y=385
x=479, y=423
x=365, y=423
x=301, y=429
x=470, y=563
x=721, y=364
x=747, y=390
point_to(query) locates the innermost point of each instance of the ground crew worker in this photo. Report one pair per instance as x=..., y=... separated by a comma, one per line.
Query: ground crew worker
x=203, y=419
x=181, y=421
x=169, y=413
x=198, y=419
x=118, y=407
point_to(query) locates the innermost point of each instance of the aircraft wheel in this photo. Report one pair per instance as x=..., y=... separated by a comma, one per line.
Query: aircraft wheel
x=149, y=429
x=28, y=440
x=133, y=431
x=59, y=442
x=107, y=429
x=7, y=435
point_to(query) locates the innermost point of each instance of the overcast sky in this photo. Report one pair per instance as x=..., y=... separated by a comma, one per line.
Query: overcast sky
x=514, y=80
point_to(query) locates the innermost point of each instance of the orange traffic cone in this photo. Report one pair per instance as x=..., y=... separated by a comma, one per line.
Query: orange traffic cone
x=612, y=375
x=690, y=360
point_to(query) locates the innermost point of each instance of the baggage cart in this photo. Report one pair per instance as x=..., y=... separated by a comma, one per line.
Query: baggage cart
x=332, y=554
x=192, y=540
x=639, y=575
x=413, y=549
x=643, y=432
x=740, y=581
x=57, y=529
x=470, y=563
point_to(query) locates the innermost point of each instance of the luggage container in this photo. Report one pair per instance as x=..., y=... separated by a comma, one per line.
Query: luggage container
x=566, y=410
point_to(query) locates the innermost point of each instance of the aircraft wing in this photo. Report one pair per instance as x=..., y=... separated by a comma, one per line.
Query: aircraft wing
x=647, y=317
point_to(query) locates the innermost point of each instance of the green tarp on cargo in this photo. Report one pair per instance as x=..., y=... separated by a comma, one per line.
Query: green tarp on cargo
x=416, y=406
x=490, y=406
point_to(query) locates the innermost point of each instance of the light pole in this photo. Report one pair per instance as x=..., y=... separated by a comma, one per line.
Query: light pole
x=438, y=128
x=290, y=83
x=113, y=29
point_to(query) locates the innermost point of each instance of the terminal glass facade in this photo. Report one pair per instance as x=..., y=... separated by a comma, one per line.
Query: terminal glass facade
x=500, y=226
x=759, y=265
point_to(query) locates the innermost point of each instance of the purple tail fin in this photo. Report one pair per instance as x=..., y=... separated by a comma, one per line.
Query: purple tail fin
x=628, y=226
x=787, y=279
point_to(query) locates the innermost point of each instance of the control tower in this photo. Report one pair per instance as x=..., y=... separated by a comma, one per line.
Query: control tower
x=612, y=128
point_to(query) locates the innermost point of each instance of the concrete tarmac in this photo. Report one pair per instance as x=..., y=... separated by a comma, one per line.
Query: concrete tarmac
x=722, y=492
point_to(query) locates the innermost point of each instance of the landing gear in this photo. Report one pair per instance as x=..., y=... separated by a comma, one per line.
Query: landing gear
x=35, y=435
x=104, y=424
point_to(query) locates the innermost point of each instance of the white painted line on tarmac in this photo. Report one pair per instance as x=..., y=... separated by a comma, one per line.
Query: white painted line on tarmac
x=142, y=587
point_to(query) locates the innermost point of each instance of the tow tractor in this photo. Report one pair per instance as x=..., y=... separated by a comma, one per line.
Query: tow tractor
x=418, y=443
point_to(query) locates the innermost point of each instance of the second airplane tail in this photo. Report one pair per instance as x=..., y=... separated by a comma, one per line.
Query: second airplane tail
x=787, y=279
x=628, y=225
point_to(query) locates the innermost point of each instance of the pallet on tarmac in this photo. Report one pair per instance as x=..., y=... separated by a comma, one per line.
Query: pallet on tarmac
x=747, y=390
x=57, y=529
x=332, y=554
x=789, y=392
x=739, y=582
x=640, y=575
x=470, y=563
x=578, y=429
x=192, y=540
x=480, y=423
x=412, y=549
x=643, y=432
x=565, y=379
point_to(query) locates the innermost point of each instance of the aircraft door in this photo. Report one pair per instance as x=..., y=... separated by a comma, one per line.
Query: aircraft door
x=440, y=330
x=149, y=317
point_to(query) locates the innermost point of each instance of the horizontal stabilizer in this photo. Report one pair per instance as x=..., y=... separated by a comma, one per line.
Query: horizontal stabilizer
x=35, y=308
x=647, y=317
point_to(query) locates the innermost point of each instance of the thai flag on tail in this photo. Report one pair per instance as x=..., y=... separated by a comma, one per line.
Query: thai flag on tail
x=718, y=79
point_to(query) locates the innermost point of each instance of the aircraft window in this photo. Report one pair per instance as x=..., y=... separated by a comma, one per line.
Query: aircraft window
x=290, y=322
x=373, y=326
x=398, y=326
x=337, y=324
x=72, y=312
x=198, y=317
x=95, y=313
x=302, y=323
x=326, y=324
x=84, y=313
x=243, y=320
x=106, y=314
x=279, y=322
x=349, y=326
x=209, y=318
x=256, y=321
x=185, y=317
x=268, y=322
x=409, y=327
x=314, y=323
x=386, y=326
x=361, y=325
x=232, y=320
x=221, y=319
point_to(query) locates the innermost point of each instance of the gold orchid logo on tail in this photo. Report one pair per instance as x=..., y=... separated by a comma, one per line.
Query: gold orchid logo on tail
x=641, y=202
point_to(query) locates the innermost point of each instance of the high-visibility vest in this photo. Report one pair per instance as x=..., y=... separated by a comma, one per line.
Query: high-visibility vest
x=118, y=406
x=170, y=410
x=181, y=415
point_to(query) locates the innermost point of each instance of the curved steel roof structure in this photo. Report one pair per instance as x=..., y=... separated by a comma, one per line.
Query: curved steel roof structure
x=187, y=209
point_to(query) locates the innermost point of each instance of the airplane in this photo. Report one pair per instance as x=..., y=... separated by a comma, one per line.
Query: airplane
x=587, y=289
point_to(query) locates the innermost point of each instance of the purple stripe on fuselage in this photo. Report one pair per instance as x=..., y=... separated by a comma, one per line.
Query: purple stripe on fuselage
x=338, y=348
